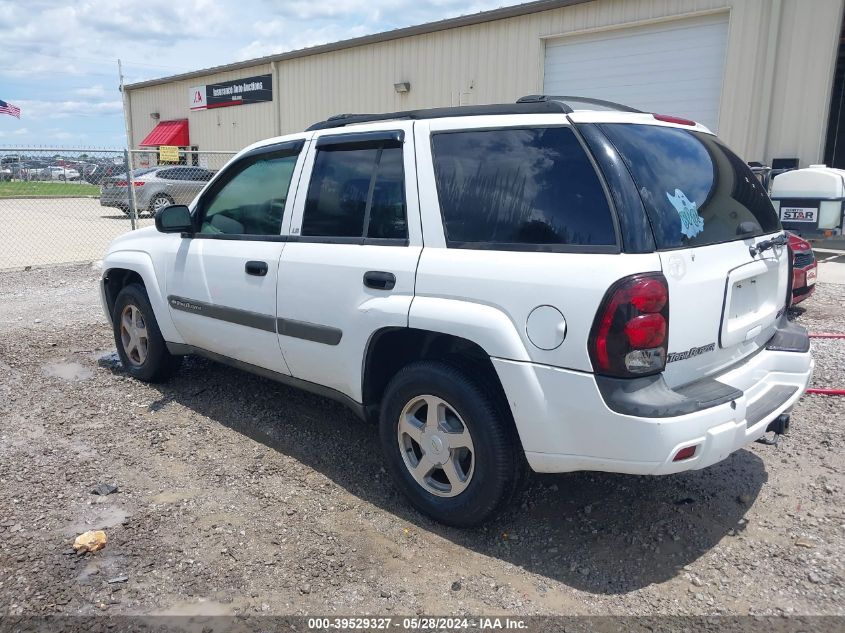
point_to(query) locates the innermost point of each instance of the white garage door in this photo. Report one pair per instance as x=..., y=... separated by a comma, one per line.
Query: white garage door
x=670, y=68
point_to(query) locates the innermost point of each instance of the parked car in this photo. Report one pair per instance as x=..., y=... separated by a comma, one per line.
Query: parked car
x=559, y=283
x=155, y=187
x=94, y=173
x=29, y=170
x=59, y=172
x=5, y=174
x=804, y=268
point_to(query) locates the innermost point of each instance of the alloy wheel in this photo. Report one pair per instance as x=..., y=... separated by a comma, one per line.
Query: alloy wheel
x=159, y=203
x=133, y=334
x=436, y=446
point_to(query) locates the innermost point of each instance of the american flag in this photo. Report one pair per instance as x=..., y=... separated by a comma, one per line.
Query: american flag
x=8, y=108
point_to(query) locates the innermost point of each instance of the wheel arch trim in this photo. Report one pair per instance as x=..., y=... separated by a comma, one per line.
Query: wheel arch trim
x=486, y=326
x=142, y=264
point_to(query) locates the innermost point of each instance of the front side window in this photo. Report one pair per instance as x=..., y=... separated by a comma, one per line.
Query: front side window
x=695, y=190
x=519, y=188
x=253, y=201
x=356, y=192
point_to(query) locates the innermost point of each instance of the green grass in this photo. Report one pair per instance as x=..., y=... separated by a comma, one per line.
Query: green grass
x=48, y=189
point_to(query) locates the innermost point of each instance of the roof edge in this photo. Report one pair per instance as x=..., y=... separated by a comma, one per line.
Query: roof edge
x=385, y=36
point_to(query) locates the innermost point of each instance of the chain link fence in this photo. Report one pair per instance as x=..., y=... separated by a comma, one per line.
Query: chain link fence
x=60, y=205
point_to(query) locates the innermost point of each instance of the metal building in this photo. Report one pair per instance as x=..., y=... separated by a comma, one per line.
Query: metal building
x=761, y=73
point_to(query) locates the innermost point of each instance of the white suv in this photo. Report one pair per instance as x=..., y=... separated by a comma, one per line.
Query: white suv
x=560, y=283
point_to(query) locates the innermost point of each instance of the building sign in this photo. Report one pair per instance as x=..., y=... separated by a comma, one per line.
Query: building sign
x=168, y=154
x=196, y=97
x=230, y=93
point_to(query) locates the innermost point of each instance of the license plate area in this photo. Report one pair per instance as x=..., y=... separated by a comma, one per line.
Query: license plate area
x=811, y=276
x=752, y=301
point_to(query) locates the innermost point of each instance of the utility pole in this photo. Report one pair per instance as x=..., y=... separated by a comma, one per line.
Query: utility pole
x=127, y=121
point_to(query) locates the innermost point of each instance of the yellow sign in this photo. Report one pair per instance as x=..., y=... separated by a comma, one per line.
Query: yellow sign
x=168, y=154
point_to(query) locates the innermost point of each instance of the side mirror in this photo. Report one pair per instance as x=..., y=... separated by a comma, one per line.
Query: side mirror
x=174, y=219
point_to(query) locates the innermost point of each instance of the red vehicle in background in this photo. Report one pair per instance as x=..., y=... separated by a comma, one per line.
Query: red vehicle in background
x=804, y=268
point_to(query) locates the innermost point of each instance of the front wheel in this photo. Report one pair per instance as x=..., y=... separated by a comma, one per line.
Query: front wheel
x=159, y=202
x=449, y=444
x=139, y=342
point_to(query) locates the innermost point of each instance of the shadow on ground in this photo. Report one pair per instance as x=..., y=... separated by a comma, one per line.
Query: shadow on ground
x=597, y=532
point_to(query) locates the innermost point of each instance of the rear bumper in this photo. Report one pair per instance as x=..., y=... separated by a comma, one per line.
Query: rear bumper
x=114, y=199
x=565, y=423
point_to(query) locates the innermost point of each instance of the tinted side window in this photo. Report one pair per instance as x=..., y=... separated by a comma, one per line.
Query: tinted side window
x=532, y=186
x=194, y=174
x=695, y=190
x=356, y=192
x=253, y=201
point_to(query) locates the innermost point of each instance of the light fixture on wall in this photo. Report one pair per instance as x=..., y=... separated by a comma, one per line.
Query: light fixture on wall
x=155, y=116
x=402, y=86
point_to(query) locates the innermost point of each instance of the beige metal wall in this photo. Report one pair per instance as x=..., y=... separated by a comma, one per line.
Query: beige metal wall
x=217, y=129
x=776, y=91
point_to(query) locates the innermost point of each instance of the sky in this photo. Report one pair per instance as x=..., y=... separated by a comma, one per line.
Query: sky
x=58, y=60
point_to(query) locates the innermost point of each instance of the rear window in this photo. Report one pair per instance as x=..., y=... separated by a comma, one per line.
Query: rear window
x=519, y=189
x=695, y=190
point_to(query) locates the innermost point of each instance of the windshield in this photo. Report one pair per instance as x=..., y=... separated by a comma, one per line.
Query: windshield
x=695, y=190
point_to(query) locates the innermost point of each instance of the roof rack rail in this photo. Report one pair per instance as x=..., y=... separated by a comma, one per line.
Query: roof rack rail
x=528, y=107
x=567, y=101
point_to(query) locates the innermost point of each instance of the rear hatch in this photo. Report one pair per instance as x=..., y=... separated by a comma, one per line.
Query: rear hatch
x=707, y=210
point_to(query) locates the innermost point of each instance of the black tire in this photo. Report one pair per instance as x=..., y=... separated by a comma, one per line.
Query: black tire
x=499, y=466
x=157, y=364
x=158, y=196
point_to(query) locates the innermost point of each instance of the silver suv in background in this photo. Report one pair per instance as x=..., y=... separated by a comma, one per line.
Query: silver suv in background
x=155, y=187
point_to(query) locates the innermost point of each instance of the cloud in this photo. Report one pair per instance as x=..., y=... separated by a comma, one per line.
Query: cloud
x=302, y=23
x=46, y=37
x=294, y=38
x=93, y=91
x=21, y=131
x=39, y=110
x=60, y=59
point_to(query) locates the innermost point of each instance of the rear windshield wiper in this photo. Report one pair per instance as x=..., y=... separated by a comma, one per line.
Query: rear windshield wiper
x=778, y=240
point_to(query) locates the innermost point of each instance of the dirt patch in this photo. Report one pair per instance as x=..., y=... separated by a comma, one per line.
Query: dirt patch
x=240, y=496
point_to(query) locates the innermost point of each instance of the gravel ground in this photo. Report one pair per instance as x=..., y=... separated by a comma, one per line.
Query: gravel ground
x=241, y=496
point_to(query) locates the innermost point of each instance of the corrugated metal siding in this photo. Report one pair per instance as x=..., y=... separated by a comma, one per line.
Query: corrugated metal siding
x=485, y=63
x=503, y=60
x=803, y=80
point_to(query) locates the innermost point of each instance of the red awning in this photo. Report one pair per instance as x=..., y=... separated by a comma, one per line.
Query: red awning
x=168, y=133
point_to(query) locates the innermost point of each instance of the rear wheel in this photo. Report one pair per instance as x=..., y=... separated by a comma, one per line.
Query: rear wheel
x=450, y=446
x=139, y=342
x=159, y=202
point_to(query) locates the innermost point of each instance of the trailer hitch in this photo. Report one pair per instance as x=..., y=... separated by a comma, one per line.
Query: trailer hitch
x=779, y=426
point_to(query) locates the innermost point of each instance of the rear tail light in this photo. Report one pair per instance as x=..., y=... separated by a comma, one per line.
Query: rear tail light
x=123, y=183
x=631, y=331
x=666, y=118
